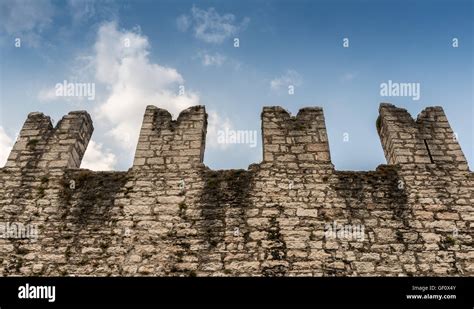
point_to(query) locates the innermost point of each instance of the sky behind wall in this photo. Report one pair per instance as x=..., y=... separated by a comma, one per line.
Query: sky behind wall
x=140, y=52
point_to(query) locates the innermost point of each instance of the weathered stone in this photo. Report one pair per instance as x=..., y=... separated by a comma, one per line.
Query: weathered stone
x=292, y=214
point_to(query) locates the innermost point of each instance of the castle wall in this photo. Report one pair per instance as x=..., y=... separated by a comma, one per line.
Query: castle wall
x=170, y=215
x=287, y=139
x=429, y=139
x=171, y=144
x=40, y=145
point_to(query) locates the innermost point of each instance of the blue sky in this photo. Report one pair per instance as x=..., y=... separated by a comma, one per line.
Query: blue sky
x=191, y=44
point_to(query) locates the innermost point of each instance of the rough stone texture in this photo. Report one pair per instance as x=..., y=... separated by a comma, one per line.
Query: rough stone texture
x=170, y=215
x=290, y=139
x=40, y=145
x=168, y=144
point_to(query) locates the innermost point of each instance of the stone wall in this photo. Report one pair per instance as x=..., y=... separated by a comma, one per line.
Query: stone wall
x=168, y=144
x=287, y=139
x=170, y=215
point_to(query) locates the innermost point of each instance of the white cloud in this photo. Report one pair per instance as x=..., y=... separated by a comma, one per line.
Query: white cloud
x=209, y=26
x=130, y=81
x=97, y=158
x=122, y=63
x=208, y=59
x=6, y=144
x=25, y=19
x=216, y=123
x=291, y=77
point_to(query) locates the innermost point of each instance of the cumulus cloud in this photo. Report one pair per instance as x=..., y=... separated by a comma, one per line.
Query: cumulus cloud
x=122, y=63
x=97, y=158
x=6, y=144
x=291, y=77
x=210, y=26
x=129, y=80
x=215, y=124
x=26, y=19
x=208, y=59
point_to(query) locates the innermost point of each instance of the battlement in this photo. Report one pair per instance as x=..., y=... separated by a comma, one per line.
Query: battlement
x=292, y=214
x=287, y=140
x=428, y=140
x=39, y=145
x=294, y=139
x=165, y=143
